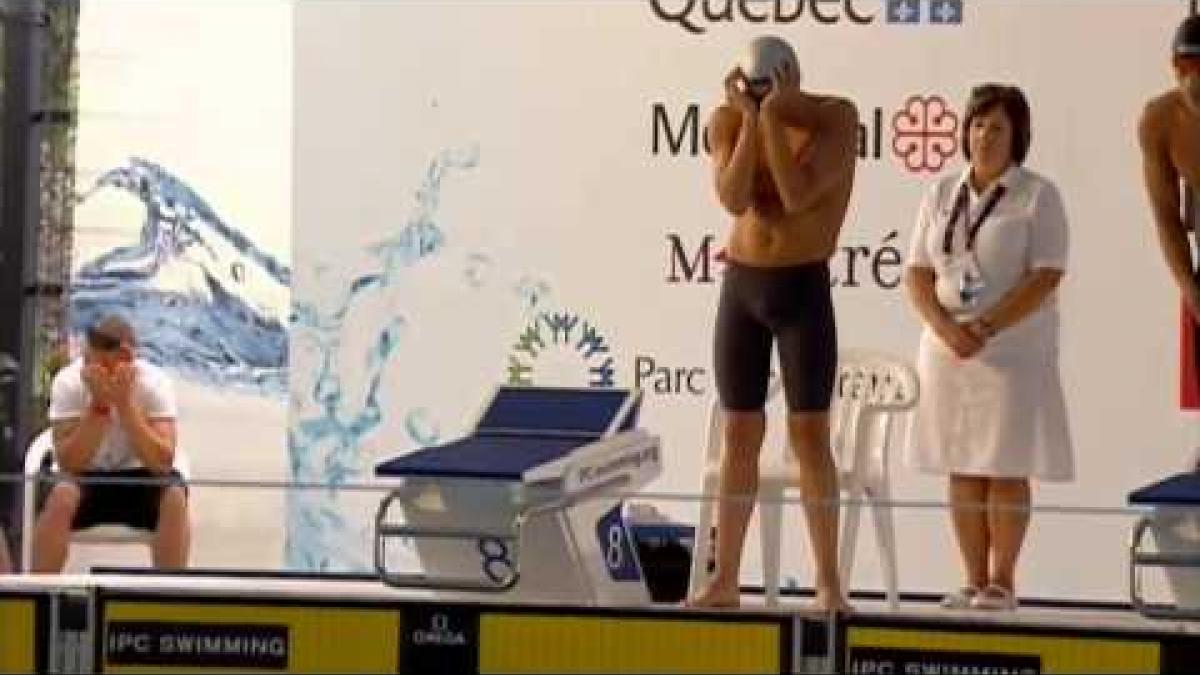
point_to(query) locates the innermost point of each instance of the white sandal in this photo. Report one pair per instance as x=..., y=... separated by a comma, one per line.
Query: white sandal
x=960, y=599
x=995, y=598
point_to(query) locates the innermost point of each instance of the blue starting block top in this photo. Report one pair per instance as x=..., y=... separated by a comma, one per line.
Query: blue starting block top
x=522, y=428
x=586, y=413
x=486, y=457
x=1181, y=489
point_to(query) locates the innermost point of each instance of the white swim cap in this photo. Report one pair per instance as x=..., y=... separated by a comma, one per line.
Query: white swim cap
x=765, y=54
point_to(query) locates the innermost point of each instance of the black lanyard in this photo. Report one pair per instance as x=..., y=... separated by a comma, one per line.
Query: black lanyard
x=960, y=208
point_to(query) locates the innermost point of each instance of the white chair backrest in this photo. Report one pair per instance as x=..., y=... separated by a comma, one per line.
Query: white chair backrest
x=870, y=387
x=885, y=381
x=870, y=390
x=42, y=446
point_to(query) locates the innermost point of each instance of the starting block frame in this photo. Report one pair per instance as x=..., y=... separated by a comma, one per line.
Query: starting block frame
x=1175, y=515
x=512, y=506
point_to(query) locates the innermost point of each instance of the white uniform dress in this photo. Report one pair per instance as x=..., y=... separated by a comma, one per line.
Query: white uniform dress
x=1000, y=413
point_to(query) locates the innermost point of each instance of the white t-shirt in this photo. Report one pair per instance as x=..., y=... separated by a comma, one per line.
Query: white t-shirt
x=153, y=393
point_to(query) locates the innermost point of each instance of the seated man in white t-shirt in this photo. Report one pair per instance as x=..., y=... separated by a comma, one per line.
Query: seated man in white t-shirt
x=113, y=417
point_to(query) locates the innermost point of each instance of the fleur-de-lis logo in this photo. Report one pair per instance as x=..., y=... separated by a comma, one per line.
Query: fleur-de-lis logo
x=926, y=133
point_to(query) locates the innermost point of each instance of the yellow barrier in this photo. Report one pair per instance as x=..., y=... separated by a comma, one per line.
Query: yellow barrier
x=18, y=635
x=173, y=636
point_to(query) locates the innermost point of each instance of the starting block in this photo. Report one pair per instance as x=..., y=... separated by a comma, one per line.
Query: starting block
x=530, y=502
x=1174, y=523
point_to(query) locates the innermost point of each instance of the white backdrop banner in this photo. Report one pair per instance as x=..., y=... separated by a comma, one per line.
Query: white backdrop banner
x=518, y=192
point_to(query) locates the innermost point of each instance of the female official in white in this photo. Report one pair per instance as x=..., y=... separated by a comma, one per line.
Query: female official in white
x=987, y=253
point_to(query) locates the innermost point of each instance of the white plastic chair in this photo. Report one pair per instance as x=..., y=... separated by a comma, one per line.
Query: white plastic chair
x=36, y=458
x=871, y=391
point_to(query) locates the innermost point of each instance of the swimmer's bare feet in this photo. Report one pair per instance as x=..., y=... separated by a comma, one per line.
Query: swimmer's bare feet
x=830, y=601
x=719, y=594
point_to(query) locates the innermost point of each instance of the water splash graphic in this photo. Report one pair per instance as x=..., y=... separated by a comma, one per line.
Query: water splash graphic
x=206, y=302
x=333, y=414
x=421, y=427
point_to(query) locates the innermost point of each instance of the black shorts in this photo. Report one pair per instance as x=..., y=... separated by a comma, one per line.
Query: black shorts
x=791, y=306
x=132, y=504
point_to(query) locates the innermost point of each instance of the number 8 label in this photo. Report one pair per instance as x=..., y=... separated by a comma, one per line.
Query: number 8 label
x=495, y=554
x=616, y=548
x=615, y=555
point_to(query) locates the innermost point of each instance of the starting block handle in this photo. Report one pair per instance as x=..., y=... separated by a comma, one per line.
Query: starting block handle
x=384, y=532
x=411, y=580
x=1135, y=578
x=1139, y=559
x=1167, y=559
x=411, y=532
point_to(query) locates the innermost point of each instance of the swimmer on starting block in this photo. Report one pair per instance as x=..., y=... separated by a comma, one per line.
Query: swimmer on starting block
x=1169, y=133
x=784, y=163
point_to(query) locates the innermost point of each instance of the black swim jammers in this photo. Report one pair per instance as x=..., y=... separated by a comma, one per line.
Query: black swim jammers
x=790, y=305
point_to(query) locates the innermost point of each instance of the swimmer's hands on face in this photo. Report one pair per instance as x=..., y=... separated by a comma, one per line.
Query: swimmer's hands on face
x=736, y=96
x=785, y=84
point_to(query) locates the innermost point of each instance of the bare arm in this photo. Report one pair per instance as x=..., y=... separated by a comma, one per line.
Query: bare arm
x=1162, y=186
x=919, y=281
x=803, y=183
x=1048, y=245
x=1024, y=298
x=735, y=154
x=152, y=439
x=76, y=440
x=78, y=426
